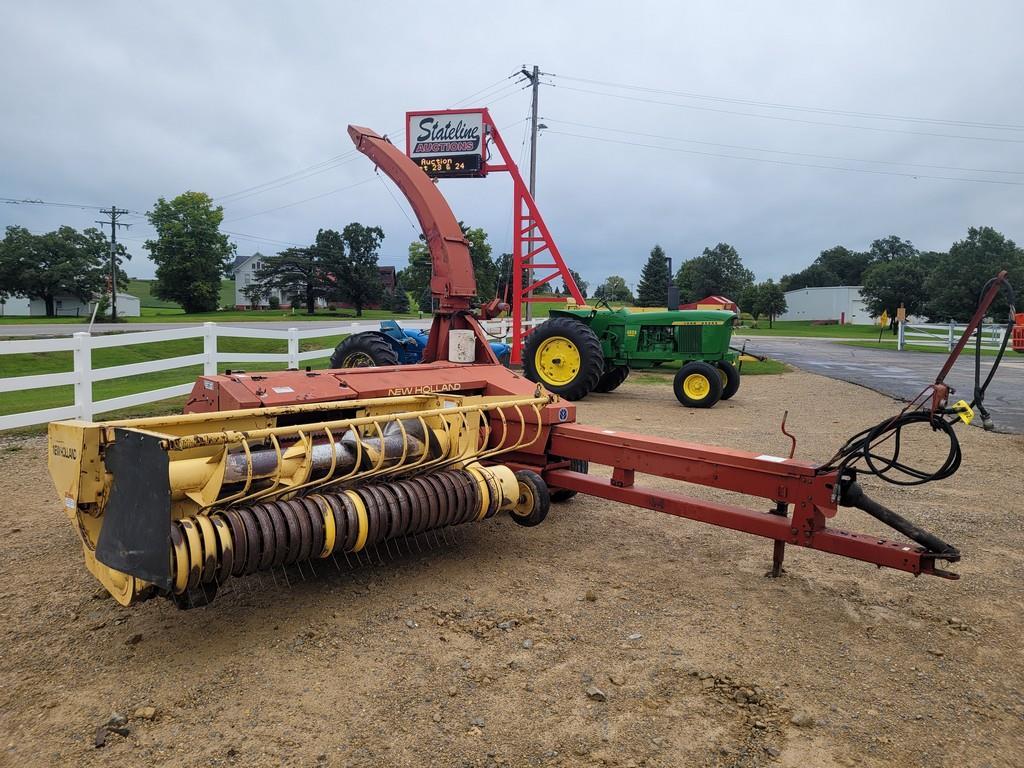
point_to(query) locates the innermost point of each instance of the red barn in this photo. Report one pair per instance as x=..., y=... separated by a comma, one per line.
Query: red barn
x=712, y=302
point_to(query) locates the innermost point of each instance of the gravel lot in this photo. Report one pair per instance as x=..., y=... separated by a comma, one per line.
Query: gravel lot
x=607, y=636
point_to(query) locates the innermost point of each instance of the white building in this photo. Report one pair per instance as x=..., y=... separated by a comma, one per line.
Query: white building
x=841, y=303
x=65, y=305
x=245, y=269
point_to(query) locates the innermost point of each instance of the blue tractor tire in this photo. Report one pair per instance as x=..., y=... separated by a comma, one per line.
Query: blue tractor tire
x=363, y=350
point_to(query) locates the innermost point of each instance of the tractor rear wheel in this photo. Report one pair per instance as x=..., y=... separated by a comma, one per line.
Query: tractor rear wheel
x=730, y=378
x=363, y=350
x=612, y=378
x=698, y=385
x=564, y=355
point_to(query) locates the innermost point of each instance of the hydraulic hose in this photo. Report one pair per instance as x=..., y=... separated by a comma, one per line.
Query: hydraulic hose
x=854, y=496
x=979, y=387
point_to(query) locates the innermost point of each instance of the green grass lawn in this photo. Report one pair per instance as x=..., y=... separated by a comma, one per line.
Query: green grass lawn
x=142, y=290
x=58, y=362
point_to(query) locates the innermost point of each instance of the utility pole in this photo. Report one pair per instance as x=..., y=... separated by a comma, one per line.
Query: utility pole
x=534, y=78
x=114, y=213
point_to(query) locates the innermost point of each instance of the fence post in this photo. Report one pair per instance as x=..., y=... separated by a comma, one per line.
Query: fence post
x=293, y=348
x=952, y=330
x=901, y=339
x=210, y=349
x=83, y=368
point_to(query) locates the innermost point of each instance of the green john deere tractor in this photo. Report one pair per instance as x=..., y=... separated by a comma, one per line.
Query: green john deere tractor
x=579, y=351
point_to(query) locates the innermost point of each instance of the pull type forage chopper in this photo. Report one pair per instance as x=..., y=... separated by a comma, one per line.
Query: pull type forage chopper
x=269, y=470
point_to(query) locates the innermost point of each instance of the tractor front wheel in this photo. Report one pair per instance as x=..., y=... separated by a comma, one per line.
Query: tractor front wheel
x=730, y=378
x=564, y=355
x=698, y=385
x=363, y=350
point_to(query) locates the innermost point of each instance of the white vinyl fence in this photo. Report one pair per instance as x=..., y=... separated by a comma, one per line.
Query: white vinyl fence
x=946, y=335
x=84, y=374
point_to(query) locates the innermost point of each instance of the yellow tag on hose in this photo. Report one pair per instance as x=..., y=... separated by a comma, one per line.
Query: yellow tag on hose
x=964, y=411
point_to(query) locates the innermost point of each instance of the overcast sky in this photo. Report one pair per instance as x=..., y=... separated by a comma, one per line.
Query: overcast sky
x=125, y=102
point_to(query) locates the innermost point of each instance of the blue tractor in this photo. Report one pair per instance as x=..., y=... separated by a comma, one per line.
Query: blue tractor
x=392, y=345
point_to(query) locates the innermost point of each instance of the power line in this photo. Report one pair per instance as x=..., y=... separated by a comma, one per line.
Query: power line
x=26, y=201
x=798, y=108
x=785, y=119
x=281, y=181
x=397, y=204
x=483, y=90
x=788, y=162
x=346, y=157
x=782, y=152
x=300, y=202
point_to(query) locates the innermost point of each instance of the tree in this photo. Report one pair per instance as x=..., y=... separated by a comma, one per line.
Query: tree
x=190, y=252
x=581, y=284
x=848, y=266
x=614, y=288
x=750, y=301
x=652, y=290
x=899, y=281
x=484, y=268
x=63, y=261
x=890, y=248
x=765, y=298
x=719, y=271
x=396, y=300
x=503, y=280
x=294, y=272
x=837, y=265
x=503, y=277
x=257, y=293
x=358, y=280
x=814, y=276
x=956, y=279
x=416, y=277
x=771, y=299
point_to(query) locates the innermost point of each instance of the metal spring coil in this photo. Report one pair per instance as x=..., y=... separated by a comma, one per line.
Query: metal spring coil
x=208, y=548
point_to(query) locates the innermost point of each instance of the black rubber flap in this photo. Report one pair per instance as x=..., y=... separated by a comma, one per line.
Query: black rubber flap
x=136, y=533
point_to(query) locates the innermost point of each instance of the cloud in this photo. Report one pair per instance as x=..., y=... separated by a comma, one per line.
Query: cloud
x=140, y=101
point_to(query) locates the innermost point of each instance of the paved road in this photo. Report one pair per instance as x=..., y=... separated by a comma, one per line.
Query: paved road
x=904, y=374
x=66, y=329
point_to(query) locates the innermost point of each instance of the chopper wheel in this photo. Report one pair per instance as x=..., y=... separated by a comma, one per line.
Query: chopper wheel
x=534, y=499
x=558, y=495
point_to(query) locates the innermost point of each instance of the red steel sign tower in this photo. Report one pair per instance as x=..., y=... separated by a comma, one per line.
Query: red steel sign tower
x=458, y=143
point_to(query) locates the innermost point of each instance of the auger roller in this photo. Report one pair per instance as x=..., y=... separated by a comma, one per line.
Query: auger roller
x=176, y=505
x=240, y=541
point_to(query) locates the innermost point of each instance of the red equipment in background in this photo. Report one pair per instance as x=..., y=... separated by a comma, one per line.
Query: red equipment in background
x=533, y=248
x=1018, y=332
